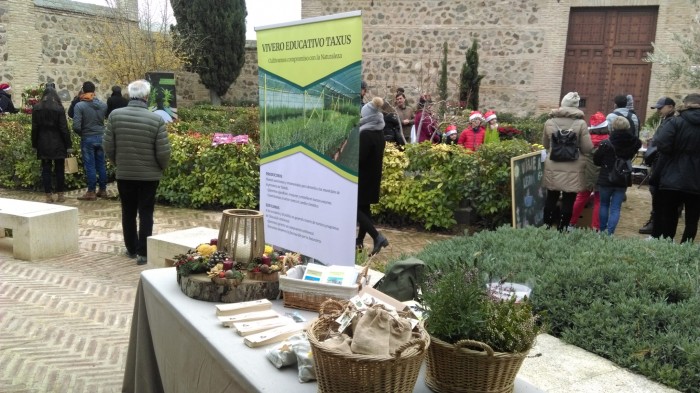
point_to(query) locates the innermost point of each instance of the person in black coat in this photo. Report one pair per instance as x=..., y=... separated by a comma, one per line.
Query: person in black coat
x=372, y=145
x=51, y=139
x=6, y=105
x=116, y=101
x=392, y=126
x=621, y=144
x=678, y=172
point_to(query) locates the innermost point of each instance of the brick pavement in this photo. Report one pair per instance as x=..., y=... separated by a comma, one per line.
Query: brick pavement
x=65, y=321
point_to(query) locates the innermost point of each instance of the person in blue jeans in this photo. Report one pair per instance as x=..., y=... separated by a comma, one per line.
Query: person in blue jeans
x=88, y=122
x=623, y=144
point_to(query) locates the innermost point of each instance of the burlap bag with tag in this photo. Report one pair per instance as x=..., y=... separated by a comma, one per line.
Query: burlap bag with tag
x=338, y=343
x=400, y=334
x=372, y=333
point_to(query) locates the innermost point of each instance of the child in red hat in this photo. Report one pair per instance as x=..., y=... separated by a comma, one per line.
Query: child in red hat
x=451, y=134
x=6, y=105
x=491, y=135
x=473, y=136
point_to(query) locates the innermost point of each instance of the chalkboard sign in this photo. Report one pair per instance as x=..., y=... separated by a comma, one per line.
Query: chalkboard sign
x=526, y=190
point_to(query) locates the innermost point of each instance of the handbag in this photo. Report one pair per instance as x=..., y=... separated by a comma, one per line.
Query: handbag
x=70, y=165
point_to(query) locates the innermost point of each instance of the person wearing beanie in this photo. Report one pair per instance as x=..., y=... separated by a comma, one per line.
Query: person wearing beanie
x=624, y=145
x=88, y=123
x=599, y=132
x=425, y=121
x=52, y=142
x=451, y=134
x=666, y=108
x=369, y=172
x=473, y=136
x=116, y=101
x=676, y=174
x=491, y=135
x=622, y=108
x=6, y=105
x=564, y=179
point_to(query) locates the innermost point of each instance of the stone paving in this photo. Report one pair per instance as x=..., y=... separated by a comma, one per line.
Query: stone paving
x=64, y=321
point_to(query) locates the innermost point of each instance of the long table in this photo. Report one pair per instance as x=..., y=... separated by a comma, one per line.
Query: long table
x=178, y=345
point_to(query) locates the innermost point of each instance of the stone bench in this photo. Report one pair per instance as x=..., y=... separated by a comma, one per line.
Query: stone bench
x=39, y=230
x=167, y=245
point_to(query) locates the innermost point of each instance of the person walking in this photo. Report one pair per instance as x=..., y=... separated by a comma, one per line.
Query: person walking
x=678, y=172
x=88, y=122
x=624, y=145
x=564, y=179
x=52, y=142
x=372, y=145
x=137, y=143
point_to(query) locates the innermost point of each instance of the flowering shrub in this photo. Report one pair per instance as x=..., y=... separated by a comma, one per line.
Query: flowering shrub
x=508, y=132
x=30, y=96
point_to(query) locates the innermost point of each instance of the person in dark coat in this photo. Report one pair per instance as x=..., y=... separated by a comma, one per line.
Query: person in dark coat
x=6, y=105
x=392, y=126
x=678, y=171
x=51, y=139
x=116, y=101
x=623, y=144
x=372, y=145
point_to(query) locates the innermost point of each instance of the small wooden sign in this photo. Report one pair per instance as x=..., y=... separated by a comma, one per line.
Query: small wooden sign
x=229, y=320
x=252, y=327
x=273, y=335
x=243, y=307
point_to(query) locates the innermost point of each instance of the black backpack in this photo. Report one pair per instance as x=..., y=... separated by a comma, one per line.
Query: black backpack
x=621, y=170
x=633, y=127
x=564, y=145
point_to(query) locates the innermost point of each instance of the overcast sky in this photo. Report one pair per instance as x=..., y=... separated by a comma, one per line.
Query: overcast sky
x=260, y=12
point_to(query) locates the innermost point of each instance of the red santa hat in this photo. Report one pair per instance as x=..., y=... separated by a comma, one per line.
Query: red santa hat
x=5, y=87
x=490, y=115
x=475, y=115
x=450, y=130
x=598, y=121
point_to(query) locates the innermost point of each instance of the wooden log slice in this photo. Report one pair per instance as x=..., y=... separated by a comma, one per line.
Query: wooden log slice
x=200, y=287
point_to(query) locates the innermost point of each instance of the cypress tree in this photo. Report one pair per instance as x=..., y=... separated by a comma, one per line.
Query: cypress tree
x=214, y=33
x=470, y=80
x=442, y=83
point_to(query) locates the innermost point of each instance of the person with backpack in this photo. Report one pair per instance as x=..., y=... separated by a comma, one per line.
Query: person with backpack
x=89, y=123
x=567, y=140
x=621, y=109
x=614, y=156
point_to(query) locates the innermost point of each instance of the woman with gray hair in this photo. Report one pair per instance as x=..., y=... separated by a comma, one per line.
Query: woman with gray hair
x=369, y=171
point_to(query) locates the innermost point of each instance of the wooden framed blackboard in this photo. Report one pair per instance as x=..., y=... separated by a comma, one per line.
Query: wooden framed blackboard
x=527, y=193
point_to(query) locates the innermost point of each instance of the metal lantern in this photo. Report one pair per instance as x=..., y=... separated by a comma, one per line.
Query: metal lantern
x=242, y=234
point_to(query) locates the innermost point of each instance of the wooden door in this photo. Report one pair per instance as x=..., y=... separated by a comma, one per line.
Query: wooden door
x=604, y=51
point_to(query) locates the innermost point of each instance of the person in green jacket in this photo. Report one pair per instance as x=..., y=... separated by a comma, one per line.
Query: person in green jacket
x=491, y=135
x=136, y=141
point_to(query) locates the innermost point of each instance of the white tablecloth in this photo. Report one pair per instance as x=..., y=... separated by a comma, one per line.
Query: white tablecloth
x=177, y=345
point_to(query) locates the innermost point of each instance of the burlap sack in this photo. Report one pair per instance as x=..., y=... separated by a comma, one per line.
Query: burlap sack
x=400, y=334
x=371, y=335
x=338, y=343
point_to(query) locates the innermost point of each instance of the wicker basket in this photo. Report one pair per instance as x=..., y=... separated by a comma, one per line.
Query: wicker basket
x=309, y=295
x=456, y=368
x=347, y=373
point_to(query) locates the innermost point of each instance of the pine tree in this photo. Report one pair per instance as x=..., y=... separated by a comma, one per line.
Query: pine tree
x=442, y=84
x=470, y=80
x=214, y=33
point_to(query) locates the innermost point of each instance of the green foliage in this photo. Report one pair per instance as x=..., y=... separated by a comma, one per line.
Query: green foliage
x=634, y=302
x=215, y=37
x=19, y=166
x=200, y=175
x=469, y=78
x=461, y=307
x=426, y=182
x=442, y=83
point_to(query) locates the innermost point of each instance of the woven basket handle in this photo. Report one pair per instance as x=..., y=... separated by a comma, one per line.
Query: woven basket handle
x=330, y=306
x=473, y=344
x=416, y=341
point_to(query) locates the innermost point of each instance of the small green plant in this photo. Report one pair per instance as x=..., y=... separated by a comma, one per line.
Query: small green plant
x=460, y=307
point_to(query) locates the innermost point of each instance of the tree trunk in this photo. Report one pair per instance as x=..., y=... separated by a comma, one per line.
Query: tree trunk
x=215, y=99
x=200, y=287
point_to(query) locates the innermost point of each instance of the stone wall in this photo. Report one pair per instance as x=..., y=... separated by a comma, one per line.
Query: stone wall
x=50, y=41
x=521, y=45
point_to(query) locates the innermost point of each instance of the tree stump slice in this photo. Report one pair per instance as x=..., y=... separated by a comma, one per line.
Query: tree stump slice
x=200, y=287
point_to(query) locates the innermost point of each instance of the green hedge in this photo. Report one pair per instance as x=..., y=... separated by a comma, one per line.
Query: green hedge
x=423, y=184
x=632, y=301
